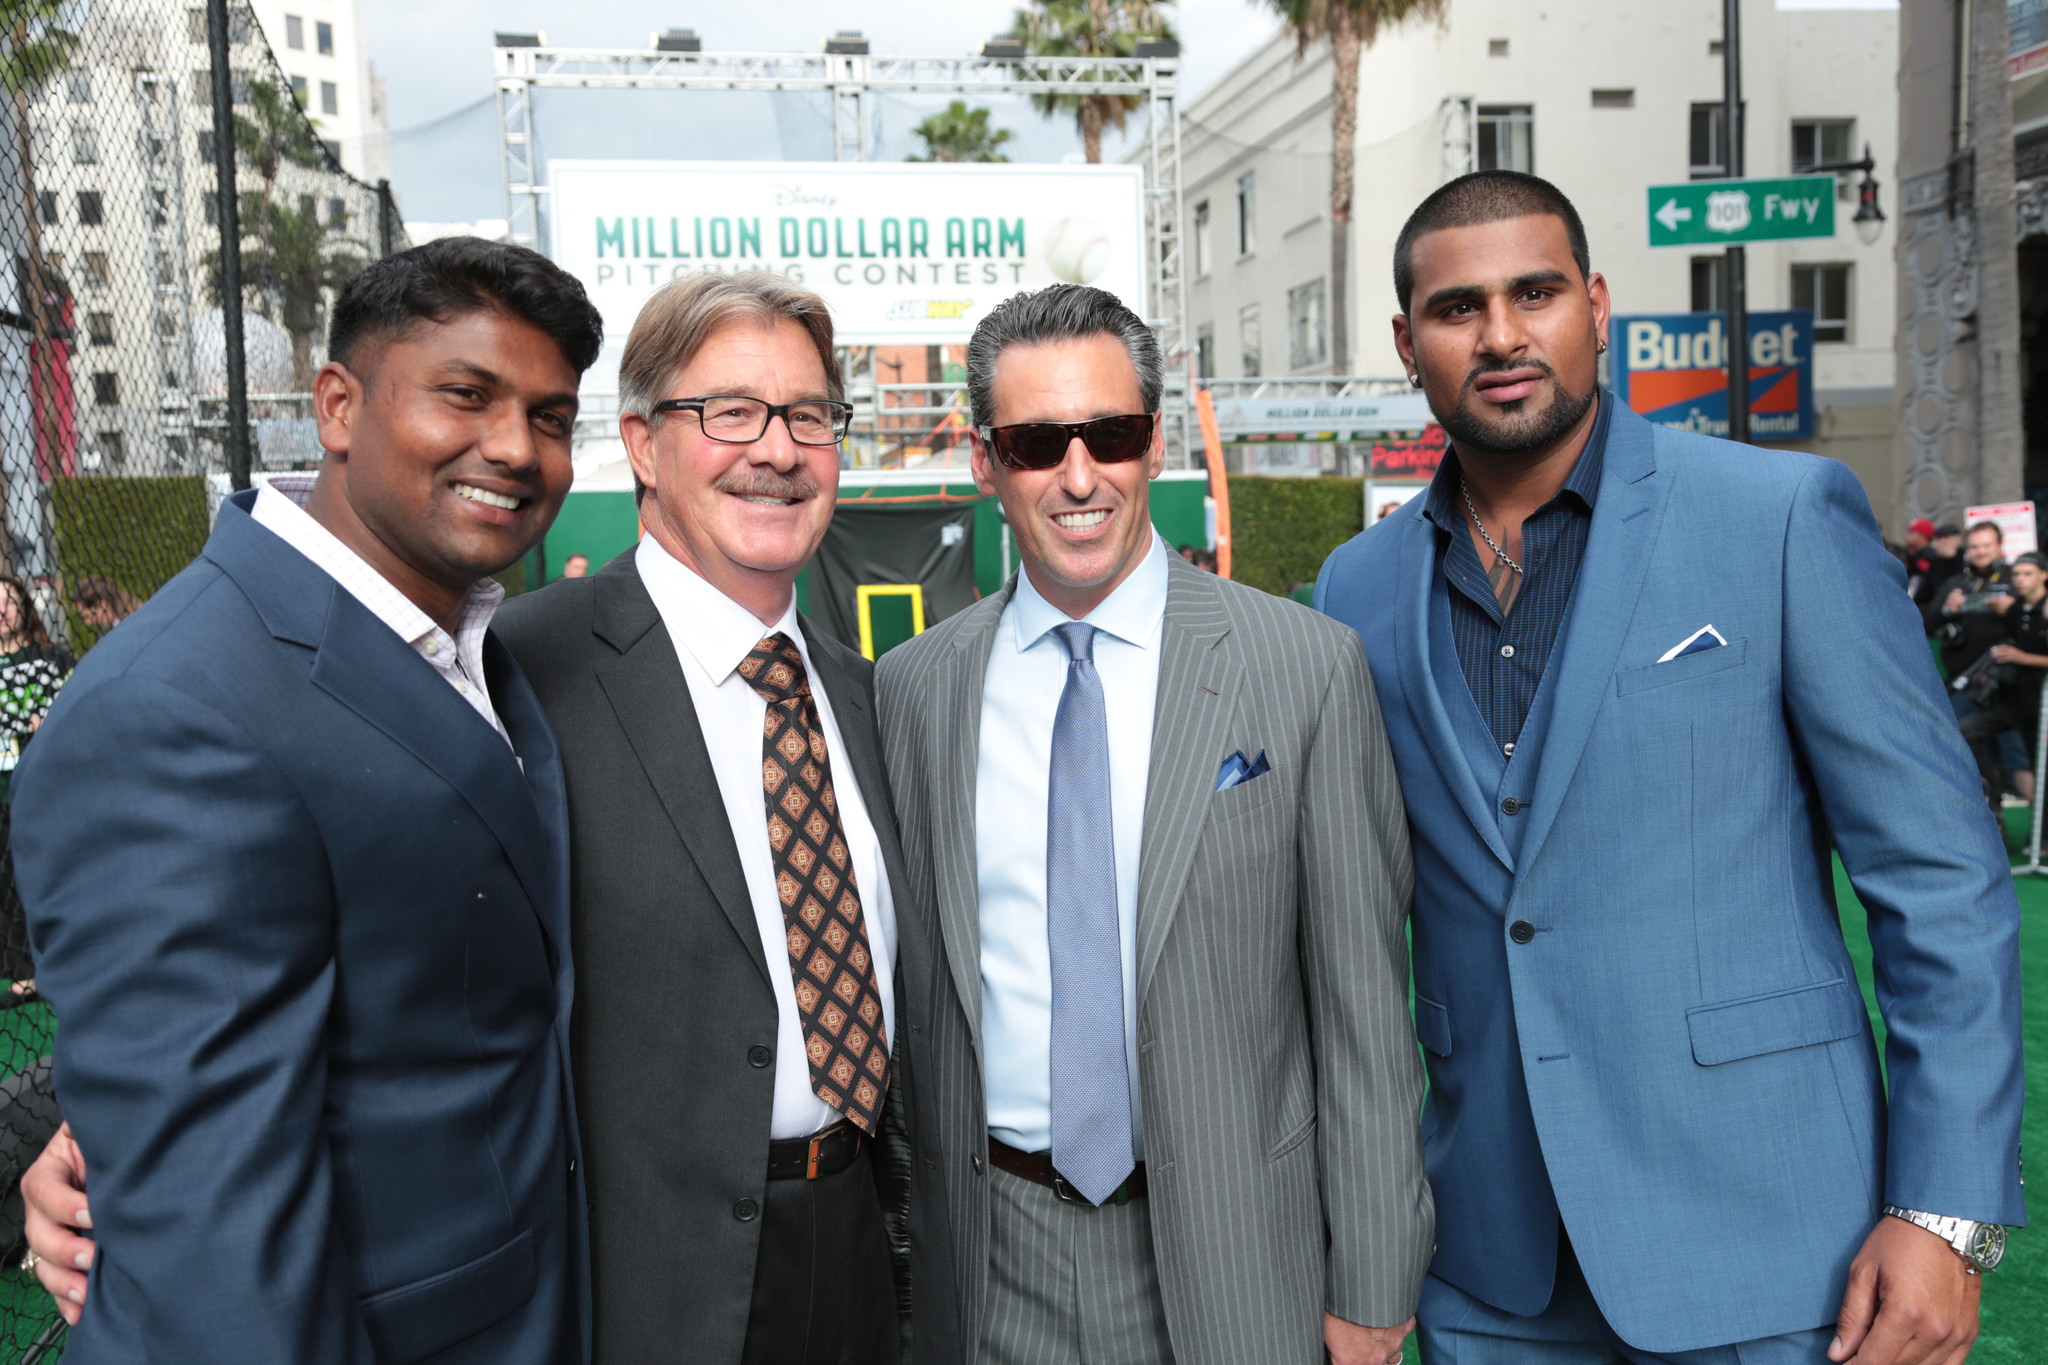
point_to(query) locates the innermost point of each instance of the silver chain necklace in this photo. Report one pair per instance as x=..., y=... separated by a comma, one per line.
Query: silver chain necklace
x=1466, y=489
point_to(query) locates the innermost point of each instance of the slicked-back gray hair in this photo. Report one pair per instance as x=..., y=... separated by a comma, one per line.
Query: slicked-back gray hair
x=1060, y=312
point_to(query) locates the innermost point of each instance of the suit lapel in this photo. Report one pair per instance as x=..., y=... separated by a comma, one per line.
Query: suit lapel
x=651, y=699
x=1199, y=680
x=1420, y=685
x=1625, y=525
x=954, y=752
x=534, y=742
x=363, y=664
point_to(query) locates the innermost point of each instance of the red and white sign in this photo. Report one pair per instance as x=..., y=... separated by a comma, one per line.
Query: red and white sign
x=2016, y=519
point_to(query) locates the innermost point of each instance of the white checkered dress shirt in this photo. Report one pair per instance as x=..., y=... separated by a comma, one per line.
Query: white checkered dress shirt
x=280, y=509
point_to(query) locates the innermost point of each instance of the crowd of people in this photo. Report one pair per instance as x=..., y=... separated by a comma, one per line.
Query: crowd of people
x=636, y=973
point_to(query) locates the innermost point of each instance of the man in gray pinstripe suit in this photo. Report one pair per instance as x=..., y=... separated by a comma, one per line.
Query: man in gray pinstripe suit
x=1155, y=817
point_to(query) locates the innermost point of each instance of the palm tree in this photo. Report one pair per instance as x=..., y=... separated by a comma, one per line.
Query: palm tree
x=1350, y=26
x=1090, y=28
x=36, y=47
x=958, y=133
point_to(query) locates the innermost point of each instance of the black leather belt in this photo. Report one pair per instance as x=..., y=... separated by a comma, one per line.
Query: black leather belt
x=820, y=1154
x=1037, y=1168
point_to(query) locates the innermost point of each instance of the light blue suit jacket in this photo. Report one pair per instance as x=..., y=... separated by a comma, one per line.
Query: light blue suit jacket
x=1678, y=1061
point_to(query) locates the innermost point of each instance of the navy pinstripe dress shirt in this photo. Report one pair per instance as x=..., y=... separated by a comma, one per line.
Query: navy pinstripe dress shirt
x=1504, y=656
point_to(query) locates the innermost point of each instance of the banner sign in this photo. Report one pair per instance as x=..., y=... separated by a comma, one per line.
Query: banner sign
x=2015, y=519
x=1405, y=439
x=1673, y=369
x=2026, y=23
x=913, y=254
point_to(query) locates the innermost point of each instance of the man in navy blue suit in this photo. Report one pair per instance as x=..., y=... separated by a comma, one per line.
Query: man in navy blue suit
x=1641, y=684
x=293, y=850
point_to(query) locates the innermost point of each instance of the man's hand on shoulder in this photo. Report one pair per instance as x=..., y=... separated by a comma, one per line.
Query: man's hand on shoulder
x=1910, y=1301
x=1350, y=1344
x=53, y=1198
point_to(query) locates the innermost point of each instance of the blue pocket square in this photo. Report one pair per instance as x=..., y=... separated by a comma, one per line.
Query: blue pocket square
x=1236, y=771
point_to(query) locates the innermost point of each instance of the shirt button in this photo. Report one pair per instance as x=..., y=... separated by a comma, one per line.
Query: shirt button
x=746, y=1210
x=1507, y=651
x=760, y=1055
x=433, y=646
x=1521, y=931
x=1511, y=807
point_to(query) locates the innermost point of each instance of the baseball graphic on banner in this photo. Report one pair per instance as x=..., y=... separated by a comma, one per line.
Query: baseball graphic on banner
x=1077, y=250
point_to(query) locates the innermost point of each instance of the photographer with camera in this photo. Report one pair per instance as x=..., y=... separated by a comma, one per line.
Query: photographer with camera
x=1965, y=613
x=2005, y=682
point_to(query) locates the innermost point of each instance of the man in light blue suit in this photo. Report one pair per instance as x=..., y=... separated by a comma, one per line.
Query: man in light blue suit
x=1640, y=684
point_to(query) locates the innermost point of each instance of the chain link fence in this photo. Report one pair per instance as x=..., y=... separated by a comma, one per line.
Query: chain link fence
x=115, y=381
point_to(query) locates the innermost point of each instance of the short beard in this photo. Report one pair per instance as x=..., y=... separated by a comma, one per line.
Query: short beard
x=753, y=481
x=1545, y=428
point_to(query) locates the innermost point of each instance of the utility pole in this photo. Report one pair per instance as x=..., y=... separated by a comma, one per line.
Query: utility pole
x=1734, y=265
x=230, y=216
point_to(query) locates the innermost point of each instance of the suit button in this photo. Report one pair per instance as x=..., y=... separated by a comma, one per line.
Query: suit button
x=976, y=1159
x=572, y=1168
x=1521, y=931
x=1511, y=807
x=746, y=1210
x=760, y=1054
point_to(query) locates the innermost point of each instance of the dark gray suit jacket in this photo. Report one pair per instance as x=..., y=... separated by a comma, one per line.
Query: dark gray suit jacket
x=673, y=1008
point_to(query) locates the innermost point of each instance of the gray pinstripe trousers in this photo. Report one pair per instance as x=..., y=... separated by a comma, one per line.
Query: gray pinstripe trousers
x=1067, y=1284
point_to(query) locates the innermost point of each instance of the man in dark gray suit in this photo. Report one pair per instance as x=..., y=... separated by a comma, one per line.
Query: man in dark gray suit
x=1154, y=812
x=742, y=1039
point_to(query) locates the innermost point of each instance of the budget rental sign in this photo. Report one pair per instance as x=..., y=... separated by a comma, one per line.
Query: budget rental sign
x=1673, y=369
x=913, y=254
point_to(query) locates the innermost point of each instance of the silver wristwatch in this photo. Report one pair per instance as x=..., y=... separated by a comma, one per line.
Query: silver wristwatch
x=1981, y=1245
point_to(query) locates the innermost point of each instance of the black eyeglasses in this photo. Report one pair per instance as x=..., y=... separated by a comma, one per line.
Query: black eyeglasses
x=1042, y=445
x=740, y=420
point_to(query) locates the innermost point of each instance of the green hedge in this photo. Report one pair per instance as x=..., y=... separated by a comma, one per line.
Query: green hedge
x=139, y=532
x=1281, y=530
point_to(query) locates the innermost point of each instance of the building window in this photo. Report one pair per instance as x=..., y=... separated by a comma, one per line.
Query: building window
x=337, y=214
x=1247, y=213
x=1507, y=138
x=295, y=33
x=195, y=25
x=1824, y=289
x=1496, y=47
x=206, y=149
x=78, y=87
x=85, y=144
x=96, y=273
x=106, y=389
x=1614, y=99
x=46, y=207
x=99, y=328
x=1202, y=250
x=330, y=98
x=1823, y=142
x=332, y=148
x=91, y=208
x=299, y=90
x=1709, y=138
x=1307, y=338
x=112, y=447
x=1248, y=341
x=1205, y=351
x=1709, y=284
x=242, y=85
x=325, y=34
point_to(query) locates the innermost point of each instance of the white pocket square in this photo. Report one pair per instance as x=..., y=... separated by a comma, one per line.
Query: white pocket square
x=1706, y=637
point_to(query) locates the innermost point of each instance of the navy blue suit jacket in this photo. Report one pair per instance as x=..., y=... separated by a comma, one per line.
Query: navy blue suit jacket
x=304, y=924
x=1633, y=994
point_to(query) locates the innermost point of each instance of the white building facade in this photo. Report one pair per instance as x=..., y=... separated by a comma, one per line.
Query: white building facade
x=1604, y=98
x=321, y=47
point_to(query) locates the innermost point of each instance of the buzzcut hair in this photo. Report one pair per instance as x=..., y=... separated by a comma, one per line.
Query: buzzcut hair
x=1059, y=312
x=451, y=276
x=1997, y=531
x=1486, y=197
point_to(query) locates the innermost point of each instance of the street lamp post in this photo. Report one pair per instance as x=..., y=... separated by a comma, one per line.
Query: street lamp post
x=1869, y=219
x=1735, y=267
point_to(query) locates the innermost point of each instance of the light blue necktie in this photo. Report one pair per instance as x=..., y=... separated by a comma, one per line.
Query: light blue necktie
x=1091, y=1088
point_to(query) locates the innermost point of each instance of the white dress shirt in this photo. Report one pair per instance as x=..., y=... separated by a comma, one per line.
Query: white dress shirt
x=713, y=635
x=459, y=658
x=1027, y=671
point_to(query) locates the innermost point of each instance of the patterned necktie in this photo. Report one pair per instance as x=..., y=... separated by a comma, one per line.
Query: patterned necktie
x=844, y=1036
x=1091, y=1087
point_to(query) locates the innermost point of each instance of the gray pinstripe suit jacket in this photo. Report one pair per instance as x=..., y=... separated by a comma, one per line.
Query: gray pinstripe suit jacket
x=1276, y=1054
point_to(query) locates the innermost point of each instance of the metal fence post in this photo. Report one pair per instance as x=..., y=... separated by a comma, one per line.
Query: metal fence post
x=237, y=435
x=2033, y=863
x=387, y=220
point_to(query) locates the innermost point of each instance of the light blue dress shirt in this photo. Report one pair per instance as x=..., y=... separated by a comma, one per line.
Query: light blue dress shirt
x=1027, y=669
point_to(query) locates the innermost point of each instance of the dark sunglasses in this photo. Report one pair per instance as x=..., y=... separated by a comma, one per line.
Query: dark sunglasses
x=1042, y=445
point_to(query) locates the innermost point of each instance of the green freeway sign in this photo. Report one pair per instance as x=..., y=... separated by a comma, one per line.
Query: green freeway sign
x=1729, y=212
